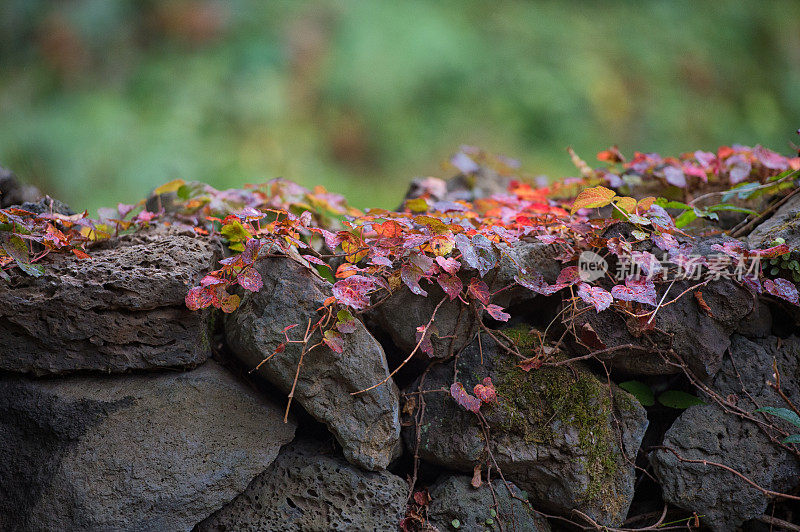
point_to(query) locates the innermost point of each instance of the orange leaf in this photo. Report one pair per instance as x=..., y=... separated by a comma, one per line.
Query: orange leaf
x=593, y=197
x=702, y=302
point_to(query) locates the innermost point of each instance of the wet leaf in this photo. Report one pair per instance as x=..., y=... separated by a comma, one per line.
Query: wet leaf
x=464, y=399
x=353, y=291
x=497, y=313
x=485, y=391
x=783, y=289
x=250, y=279
x=479, y=290
x=451, y=285
x=595, y=296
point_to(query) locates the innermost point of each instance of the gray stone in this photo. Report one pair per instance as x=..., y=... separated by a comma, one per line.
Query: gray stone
x=698, y=339
x=308, y=488
x=123, y=309
x=553, y=432
x=785, y=223
x=454, y=324
x=523, y=256
x=453, y=497
x=367, y=425
x=707, y=432
x=144, y=452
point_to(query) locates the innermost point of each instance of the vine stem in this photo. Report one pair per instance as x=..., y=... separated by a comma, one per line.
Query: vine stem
x=409, y=357
x=763, y=490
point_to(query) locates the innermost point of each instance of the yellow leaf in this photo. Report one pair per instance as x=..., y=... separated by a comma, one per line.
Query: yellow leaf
x=417, y=205
x=645, y=203
x=172, y=186
x=593, y=197
x=352, y=249
x=440, y=245
x=625, y=203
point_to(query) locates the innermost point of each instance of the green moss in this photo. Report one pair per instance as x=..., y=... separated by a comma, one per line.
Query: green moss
x=534, y=404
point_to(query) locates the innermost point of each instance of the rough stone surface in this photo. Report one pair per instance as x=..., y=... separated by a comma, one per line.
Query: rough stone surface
x=307, y=488
x=123, y=309
x=145, y=452
x=552, y=432
x=530, y=256
x=404, y=311
x=454, y=498
x=699, y=339
x=367, y=425
x=785, y=223
x=706, y=432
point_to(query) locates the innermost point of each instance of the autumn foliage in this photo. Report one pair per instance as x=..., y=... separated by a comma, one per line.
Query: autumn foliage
x=453, y=243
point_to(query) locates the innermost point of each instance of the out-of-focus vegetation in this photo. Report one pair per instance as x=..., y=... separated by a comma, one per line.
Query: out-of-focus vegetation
x=102, y=99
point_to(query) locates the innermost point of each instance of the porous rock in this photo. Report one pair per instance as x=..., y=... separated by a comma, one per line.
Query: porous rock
x=453, y=327
x=785, y=223
x=707, y=432
x=309, y=488
x=699, y=339
x=553, y=432
x=454, y=498
x=367, y=425
x=122, y=309
x=141, y=452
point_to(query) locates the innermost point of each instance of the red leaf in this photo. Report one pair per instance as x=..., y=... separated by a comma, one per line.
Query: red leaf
x=389, y=229
x=250, y=279
x=422, y=498
x=464, y=399
x=596, y=296
x=771, y=253
x=198, y=297
x=485, y=391
x=496, y=312
x=80, y=253
x=479, y=290
x=353, y=291
x=451, y=266
x=641, y=290
x=568, y=276
x=334, y=340
x=451, y=284
x=345, y=322
x=411, y=275
x=535, y=281
x=783, y=289
x=423, y=337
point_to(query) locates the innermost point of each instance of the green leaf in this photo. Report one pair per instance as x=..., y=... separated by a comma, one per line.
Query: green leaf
x=16, y=248
x=642, y=392
x=456, y=523
x=794, y=438
x=783, y=413
x=678, y=399
x=732, y=208
x=685, y=219
x=743, y=190
x=664, y=202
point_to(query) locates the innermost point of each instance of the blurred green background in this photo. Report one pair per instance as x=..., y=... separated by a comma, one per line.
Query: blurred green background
x=101, y=100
